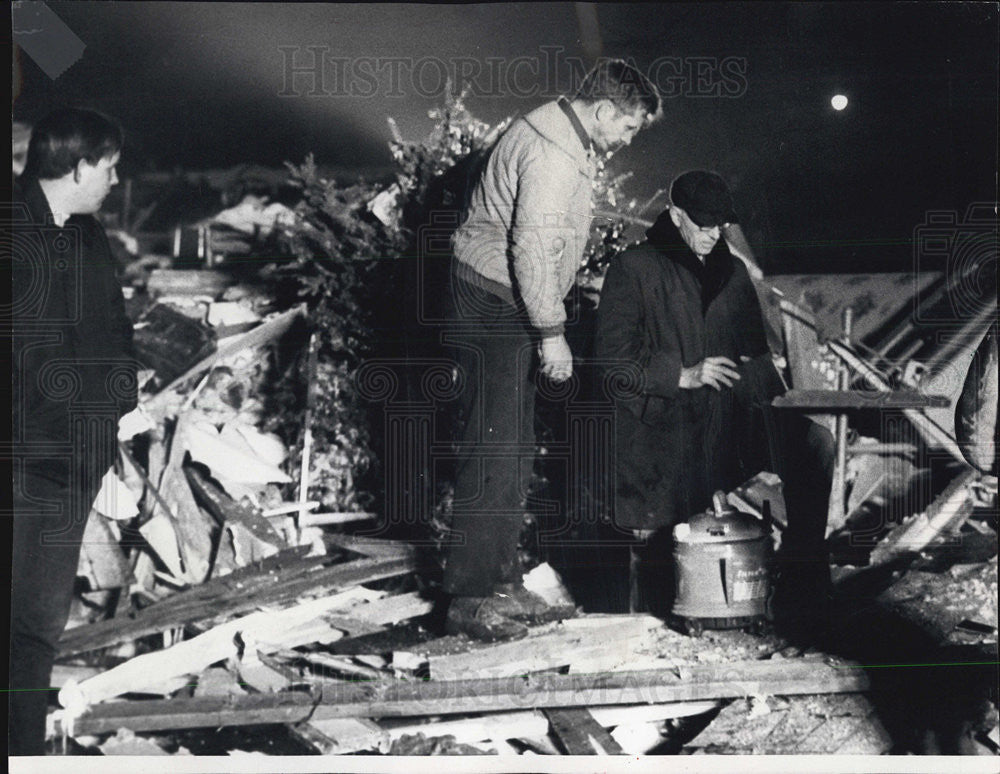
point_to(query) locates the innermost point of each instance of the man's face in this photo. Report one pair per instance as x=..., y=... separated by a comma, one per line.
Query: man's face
x=701, y=240
x=94, y=183
x=615, y=129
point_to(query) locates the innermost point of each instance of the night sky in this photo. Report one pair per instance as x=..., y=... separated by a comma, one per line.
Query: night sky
x=748, y=89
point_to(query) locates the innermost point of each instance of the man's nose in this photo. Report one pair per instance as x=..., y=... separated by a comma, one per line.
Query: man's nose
x=114, y=177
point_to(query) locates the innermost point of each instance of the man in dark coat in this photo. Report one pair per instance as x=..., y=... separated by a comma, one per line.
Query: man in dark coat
x=73, y=378
x=680, y=324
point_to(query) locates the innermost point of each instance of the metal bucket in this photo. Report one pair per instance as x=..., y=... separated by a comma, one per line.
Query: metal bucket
x=722, y=561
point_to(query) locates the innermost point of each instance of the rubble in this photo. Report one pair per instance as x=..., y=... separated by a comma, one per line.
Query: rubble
x=220, y=596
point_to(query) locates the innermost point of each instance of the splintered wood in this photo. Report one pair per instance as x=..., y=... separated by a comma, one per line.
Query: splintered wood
x=256, y=639
x=238, y=611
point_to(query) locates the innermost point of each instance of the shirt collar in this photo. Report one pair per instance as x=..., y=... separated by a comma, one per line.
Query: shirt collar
x=574, y=120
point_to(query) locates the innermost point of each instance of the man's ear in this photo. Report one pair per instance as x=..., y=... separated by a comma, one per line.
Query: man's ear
x=675, y=216
x=605, y=110
x=78, y=170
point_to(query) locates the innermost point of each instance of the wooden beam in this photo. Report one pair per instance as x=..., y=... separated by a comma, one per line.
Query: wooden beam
x=369, y=546
x=580, y=734
x=838, y=400
x=413, y=698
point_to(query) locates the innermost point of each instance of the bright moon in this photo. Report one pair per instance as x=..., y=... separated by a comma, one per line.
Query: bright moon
x=839, y=102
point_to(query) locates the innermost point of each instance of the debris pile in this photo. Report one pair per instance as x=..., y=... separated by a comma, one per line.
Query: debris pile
x=218, y=595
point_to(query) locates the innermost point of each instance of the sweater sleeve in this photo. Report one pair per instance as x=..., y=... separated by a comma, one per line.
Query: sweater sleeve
x=619, y=338
x=542, y=231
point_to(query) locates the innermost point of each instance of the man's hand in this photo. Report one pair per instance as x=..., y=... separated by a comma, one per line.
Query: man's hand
x=715, y=372
x=557, y=360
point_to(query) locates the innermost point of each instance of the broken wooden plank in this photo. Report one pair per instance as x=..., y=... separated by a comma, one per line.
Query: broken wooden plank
x=530, y=724
x=334, y=517
x=580, y=734
x=947, y=512
x=200, y=282
x=287, y=508
x=225, y=510
x=326, y=663
x=267, y=628
x=751, y=496
x=928, y=428
x=603, y=642
x=649, y=713
x=195, y=529
x=157, y=463
x=483, y=728
x=342, y=736
x=367, y=546
x=838, y=400
x=265, y=332
x=307, y=422
x=235, y=594
x=364, y=618
x=442, y=697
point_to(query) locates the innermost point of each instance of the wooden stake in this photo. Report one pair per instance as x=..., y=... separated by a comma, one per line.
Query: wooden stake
x=311, y=364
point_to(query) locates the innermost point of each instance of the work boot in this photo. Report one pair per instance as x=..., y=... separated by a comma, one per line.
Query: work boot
x=482, y=618
x=515, y=601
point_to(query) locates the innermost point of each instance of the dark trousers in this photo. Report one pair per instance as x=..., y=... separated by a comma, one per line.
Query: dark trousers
x=806, y=469
x=50, y=514
x=496, y=444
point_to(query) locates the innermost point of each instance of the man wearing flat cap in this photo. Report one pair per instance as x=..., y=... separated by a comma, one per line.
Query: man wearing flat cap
x=680, y=322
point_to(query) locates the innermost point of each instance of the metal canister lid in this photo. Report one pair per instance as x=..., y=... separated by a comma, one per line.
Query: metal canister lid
x=722, y=523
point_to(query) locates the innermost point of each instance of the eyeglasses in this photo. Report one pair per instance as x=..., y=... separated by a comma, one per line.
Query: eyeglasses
x=704, y=229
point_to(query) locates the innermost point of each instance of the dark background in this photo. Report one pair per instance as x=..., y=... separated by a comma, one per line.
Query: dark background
x=198, y=85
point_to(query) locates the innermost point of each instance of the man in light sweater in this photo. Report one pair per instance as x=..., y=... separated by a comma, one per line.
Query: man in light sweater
x=516, y=255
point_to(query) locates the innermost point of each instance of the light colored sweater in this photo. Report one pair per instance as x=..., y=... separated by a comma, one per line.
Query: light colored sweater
x=529, y=217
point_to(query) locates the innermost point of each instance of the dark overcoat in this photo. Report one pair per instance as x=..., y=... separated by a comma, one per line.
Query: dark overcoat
x=660, y=311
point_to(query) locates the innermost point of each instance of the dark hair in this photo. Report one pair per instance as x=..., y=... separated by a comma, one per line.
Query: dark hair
x=621, y=83
x=65, y=137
